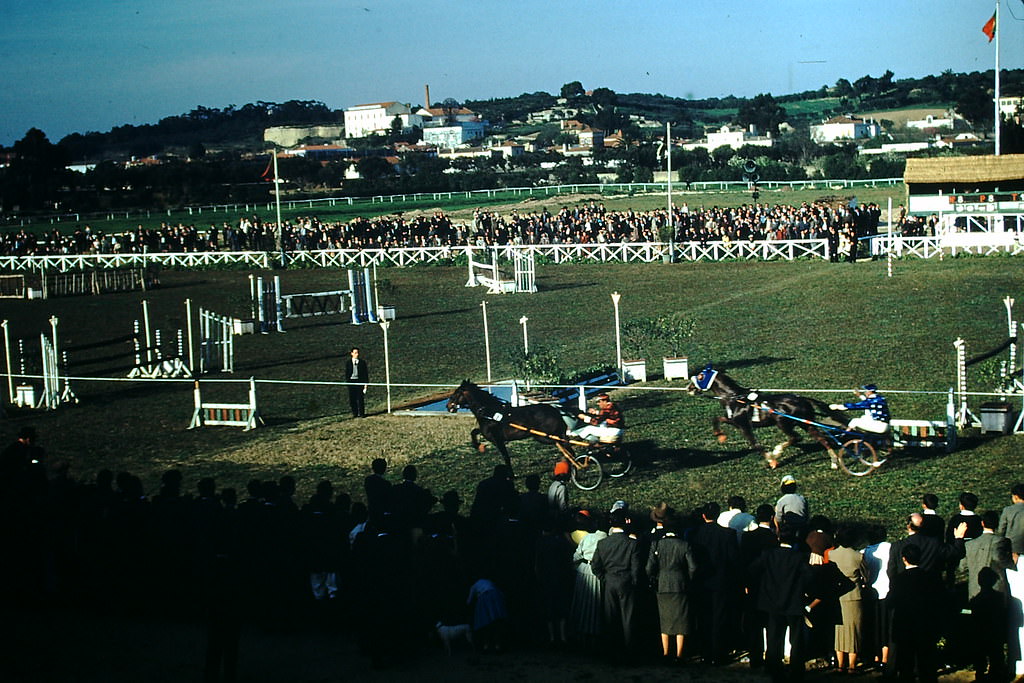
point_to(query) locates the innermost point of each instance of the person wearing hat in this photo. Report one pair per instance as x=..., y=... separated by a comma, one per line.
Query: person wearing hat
x=606, y=424
x=876, y=410
x=558, y=492
x=791, y=509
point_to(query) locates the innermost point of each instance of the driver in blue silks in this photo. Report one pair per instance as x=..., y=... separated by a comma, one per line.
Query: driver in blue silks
x=876, y=411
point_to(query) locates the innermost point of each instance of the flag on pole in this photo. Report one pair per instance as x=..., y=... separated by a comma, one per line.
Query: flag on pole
x=989, y=29
x=268, y=174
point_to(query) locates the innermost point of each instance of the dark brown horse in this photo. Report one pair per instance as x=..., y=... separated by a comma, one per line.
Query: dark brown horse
x=499, y=422
x=747, y=410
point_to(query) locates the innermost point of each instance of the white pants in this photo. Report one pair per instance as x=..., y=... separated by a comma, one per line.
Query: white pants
x=867, y=424
x=599, y=433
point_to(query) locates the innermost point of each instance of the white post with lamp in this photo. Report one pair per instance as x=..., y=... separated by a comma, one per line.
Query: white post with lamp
x=487, y=341
x=618, y=337
x=384, y=325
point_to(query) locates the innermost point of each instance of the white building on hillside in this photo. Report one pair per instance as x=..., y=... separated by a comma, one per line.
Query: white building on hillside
x=932, y=121
x=730, y=136
x=452, y=136
x=844, y=128
x=364, y=119
x=1008, y=106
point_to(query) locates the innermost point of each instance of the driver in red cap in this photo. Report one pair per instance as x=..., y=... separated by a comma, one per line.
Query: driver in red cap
x=604, y=424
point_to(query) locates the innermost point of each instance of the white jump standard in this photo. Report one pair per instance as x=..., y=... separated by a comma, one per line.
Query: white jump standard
x=524, y=278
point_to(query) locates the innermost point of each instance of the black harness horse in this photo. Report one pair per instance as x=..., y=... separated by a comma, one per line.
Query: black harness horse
x=747, y=410
x=495, y=419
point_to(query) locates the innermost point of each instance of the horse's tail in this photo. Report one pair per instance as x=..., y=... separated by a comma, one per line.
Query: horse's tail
x=822, y=409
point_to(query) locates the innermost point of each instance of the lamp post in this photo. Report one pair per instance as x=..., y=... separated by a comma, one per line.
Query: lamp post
x=487, y=341
x=526, y=340
x=618, y=337
x=384, y=325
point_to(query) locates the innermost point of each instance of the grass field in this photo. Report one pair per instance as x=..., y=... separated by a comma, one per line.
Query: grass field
x=771, y=325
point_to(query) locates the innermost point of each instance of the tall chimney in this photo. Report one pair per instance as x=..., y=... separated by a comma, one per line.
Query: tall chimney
x=426, y=94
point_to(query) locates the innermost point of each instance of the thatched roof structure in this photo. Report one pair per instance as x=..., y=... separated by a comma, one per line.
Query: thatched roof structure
x=965, y=170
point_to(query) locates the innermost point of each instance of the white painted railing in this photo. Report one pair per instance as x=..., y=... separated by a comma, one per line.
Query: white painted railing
x=982, y=244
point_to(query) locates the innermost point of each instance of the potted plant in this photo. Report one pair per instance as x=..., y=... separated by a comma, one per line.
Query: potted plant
x=675, y=330
x=637, y=334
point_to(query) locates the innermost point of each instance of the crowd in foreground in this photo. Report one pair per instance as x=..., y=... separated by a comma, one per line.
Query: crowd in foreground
x=709, y=586
x=583, y=224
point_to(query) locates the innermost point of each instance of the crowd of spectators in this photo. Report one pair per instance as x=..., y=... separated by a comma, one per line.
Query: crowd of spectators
x=523, y=569
x=582, y=224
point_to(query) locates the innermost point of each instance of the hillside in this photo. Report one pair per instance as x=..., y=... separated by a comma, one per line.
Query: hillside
x=242, y=127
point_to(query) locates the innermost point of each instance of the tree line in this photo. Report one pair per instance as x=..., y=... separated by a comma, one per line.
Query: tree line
x=214, y=155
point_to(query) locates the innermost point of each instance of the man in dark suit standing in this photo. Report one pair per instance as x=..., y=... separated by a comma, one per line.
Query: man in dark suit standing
x=752, y=544
x=617, y=564
x=917, y=599
x=357, y=375
x=718, y=585
x=783, y=573
x=1011, y=521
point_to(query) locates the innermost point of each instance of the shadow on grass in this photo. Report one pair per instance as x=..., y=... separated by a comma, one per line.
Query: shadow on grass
x=653, y=460
x=544, y=286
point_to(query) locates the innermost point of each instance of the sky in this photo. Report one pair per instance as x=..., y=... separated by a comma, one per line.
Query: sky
x=89, y=65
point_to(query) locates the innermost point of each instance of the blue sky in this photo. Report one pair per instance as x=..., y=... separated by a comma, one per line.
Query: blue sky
x=89, y=65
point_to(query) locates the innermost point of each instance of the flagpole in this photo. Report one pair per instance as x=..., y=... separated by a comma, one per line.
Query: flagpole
x=279, y=233
x=668, y=174
x=997, y=113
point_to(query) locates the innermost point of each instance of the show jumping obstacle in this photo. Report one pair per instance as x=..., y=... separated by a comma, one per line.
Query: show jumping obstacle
x=149, y=352
x=927, y=433
x=524, y=278
x=54, y=390
x=93, y=282
x=245, y=415
x=271, y=307
x=216, y=342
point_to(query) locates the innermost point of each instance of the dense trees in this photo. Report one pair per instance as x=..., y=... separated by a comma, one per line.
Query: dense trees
x=573, y=89
x=239, y=126
x=36, y=173
x=763, y=112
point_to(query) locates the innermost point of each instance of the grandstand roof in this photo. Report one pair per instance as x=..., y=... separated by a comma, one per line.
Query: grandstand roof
x=981, y=169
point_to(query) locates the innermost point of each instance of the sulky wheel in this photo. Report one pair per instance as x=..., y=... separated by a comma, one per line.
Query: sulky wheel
x=586, y=472
x=859, y=458
x=616, y=461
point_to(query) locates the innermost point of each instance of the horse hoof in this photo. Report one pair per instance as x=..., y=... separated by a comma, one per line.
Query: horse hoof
x=722, y=438
x=481, y=448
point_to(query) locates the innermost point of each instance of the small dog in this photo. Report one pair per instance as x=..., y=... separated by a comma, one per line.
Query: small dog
x=449, y=634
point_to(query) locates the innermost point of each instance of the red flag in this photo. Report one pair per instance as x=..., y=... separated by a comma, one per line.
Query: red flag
x=989, y=29
x=268, y=171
